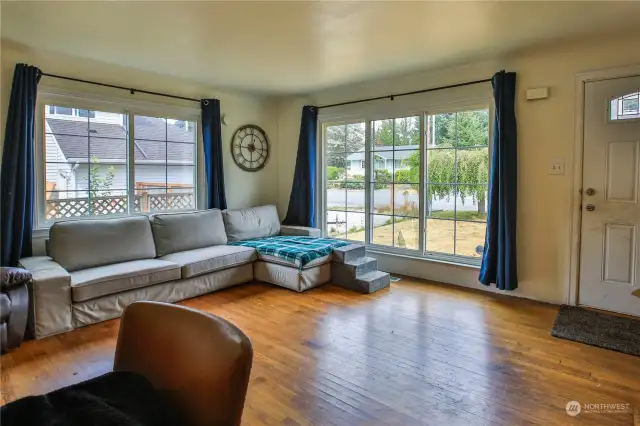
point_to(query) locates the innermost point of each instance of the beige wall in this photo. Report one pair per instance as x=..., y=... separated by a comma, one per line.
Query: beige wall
x=545, y=134
x=243, y=189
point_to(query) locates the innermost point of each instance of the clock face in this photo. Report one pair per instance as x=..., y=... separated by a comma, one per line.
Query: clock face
x=250, y=148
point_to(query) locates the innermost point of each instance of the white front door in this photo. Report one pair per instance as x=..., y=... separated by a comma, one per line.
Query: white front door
x=610, y=255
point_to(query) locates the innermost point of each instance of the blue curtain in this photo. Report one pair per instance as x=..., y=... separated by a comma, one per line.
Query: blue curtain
x=499, y=263
x=212, y=141
x=17, y=179
x=302, y=202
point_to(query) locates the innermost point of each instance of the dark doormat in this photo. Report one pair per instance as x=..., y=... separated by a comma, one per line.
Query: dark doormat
x=607, y=331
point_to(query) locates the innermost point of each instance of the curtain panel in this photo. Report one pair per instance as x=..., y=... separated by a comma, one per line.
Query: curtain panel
x=499, y=260
x=302, y=201
x=17, y=176
x=212, y=141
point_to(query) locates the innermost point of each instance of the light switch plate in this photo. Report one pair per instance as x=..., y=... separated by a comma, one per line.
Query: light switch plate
x=556, y=168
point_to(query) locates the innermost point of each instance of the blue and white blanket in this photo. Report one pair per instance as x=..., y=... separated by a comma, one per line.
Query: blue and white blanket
x=300, y=250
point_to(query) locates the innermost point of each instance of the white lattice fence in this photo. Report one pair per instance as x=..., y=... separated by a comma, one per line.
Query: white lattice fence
x=76, y=207
x=180, y=201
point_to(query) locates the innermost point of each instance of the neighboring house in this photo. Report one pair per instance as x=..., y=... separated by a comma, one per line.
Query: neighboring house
x=383, y=160
x=164, y=154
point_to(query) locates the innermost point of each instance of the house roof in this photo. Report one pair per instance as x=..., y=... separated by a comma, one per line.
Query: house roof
x=106, y=141
x=401, y=153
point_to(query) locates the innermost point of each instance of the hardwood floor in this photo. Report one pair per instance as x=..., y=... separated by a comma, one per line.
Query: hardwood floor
x=416, y=354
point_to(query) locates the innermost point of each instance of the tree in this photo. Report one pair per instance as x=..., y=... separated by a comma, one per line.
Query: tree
x=100, y=186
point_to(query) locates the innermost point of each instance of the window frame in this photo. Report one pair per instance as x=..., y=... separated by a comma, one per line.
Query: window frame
x=105, y=103
x=368, y=115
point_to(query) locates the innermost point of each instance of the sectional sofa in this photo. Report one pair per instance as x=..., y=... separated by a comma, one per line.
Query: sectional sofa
x=95, y=268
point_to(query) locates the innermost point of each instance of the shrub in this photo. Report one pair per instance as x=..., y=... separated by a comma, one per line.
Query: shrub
x=335, y=173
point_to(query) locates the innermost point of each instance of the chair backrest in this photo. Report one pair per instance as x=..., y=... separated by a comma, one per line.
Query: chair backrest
x=200, y=361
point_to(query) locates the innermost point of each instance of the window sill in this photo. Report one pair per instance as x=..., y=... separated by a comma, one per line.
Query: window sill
x=472, y=264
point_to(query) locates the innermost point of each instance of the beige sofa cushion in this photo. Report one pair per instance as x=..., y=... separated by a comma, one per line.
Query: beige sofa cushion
x=209, y=259
x=176, y=232
x=82, y=244
x=295, y=263
x=254, y=222
x=103, y=280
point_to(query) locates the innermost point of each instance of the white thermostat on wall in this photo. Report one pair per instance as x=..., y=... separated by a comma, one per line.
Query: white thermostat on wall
x=537, y=93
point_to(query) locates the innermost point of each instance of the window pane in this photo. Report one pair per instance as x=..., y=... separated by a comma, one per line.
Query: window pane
x=406, y=233
x=355, y=137
x=382, y=230
x=181, y=131
x=472, y=128
x=355, y=165
x=382, y=198
x=180, y=176
x=180, y=153
x=108, y=202
x=107, y=150
x=473, y=166
x=625, y=107
x=383, y=166
x=337, y=159
x=406, y=166
x=470, y=238
x=355, y=226
x=336, y=224
x=336, y=196
x=439, y=236
x=406, y=200
x=441, y=166
x=382, y=132
x=150, y=128
x=150, y=176
x=86, y=163
x=440, y=130
x=472, y=203
x=62, y=127
x=407, y=132
x=66, y=204
x=150, y=199
x=335, y=139
x=355, y=196
x=441, y=201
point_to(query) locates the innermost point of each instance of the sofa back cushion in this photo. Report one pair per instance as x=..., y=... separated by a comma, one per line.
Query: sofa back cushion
x=254, y=222
x=174, y=232
x=82, y=244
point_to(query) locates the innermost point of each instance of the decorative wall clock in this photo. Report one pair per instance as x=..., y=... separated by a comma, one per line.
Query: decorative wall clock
x=250, y=148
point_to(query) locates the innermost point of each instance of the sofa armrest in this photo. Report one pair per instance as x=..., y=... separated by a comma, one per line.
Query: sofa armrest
x=51, y=295
x=300, y=231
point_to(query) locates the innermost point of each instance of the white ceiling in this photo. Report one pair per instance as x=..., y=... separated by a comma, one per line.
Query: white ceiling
x=297, y=47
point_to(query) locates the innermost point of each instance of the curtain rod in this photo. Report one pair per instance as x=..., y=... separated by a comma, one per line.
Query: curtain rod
x=415, y=92
x=113, y=86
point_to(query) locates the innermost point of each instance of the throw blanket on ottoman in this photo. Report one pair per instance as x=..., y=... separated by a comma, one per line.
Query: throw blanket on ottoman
x=115, y=399
x=301, y=250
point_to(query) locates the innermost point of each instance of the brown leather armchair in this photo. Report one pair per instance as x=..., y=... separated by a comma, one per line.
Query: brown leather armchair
x=199, y=361
x=14, y=306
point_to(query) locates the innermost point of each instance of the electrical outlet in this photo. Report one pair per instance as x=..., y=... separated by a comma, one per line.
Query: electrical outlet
x=556, y=168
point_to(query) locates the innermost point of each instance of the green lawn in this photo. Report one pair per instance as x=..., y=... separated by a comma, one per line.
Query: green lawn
x=462, y=215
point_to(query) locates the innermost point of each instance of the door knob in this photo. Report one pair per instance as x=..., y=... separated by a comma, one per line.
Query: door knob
x=590, y=207
x=590, y=191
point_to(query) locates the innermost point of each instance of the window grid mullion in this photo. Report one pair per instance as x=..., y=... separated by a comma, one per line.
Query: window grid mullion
x=368, y=177
x=421, y=186
x=455, y=188
x=131, y=168
x=90, y=205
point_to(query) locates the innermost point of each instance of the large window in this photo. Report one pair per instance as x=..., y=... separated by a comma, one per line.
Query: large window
x=414, y=184
x=116, y=163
